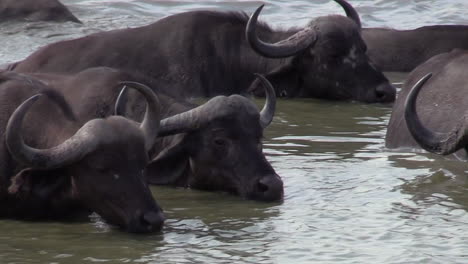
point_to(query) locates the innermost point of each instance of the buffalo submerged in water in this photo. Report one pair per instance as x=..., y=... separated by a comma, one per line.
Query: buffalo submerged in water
x=55, y=165
x=216, y=146
x=430, y=110
x=207, y=53
x=35, y=10
x=403, y=50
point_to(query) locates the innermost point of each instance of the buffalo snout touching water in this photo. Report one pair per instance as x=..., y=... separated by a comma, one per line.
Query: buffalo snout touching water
x=78, y=167
x=217, y=146
x=326, y=59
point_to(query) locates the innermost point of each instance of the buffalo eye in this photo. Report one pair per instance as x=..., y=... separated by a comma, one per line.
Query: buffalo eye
x=220, y=142
x=364, y=48
x=337, y=51
x=103, y=170
x=337, y=55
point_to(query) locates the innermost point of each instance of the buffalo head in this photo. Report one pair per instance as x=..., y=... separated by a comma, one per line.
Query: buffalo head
x=218, y=146
x=104, y=161
x=326, y=59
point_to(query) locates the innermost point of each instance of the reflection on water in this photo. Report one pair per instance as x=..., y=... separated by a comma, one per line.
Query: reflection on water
x=347, y=198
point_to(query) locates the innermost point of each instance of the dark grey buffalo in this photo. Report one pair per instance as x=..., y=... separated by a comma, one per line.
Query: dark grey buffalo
x=403, y=50
x=218, y=146
x=207, y=53
x=436, y=114
x=215, y=146
x=35, y=10
x=55, y=165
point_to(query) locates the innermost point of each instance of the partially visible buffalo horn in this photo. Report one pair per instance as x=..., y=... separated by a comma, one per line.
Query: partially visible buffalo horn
x=350, y=12
x=150, y=123
x=120, y=102
x=66, y=153
x=268, y=110
x=284, y=48
x=440, y=143
x=189, y=120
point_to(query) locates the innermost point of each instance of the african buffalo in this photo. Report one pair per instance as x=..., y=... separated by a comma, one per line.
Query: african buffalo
x=207, y=53
x=55, y=165
x=35, y=10
x=440, y=107
x=403, y=50
x=215, y=146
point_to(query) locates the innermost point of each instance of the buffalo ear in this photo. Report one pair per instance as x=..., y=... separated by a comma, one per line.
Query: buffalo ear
x=171, y=166
x=21, y=182
x=285, y=80
x=37, y=183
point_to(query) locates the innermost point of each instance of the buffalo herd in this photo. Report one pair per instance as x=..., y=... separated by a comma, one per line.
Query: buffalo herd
x=88, y=123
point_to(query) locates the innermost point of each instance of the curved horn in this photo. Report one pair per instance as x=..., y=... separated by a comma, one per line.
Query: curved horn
x=268, y=110
x=216, y=107
x=69, y=151
x=186, y=121
x=440, y=143
x=350, y=12
x=285, y=48
x=150, y=123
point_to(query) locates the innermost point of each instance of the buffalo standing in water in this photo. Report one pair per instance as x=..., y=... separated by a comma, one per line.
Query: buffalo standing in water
x=218, y=147
x=440, y=107
x=215, y=146
x=35, y=10
x=56, y=166
x=207, y=53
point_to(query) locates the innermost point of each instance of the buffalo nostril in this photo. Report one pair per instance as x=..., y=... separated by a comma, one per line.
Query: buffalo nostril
x=262, y=186
x=269, y=188
x=380, y=94
x=385, y=93
x=153, y=220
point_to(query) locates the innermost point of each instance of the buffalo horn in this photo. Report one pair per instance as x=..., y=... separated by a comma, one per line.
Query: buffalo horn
x=268, y=110
x=440, y=143
x=284, y=48
x=186, y=121
x=350, y=12
x=66, y=153
x=150, y=123
x=217, y=106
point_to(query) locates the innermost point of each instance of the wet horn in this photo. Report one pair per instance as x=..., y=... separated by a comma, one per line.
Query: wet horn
x=69, y=151
x=440, y=143
x=151, y=121
x=350, y=12
x=268, y=111
x=189, y=120
x=120, y=102
x=284, y=48
x=217, y=107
